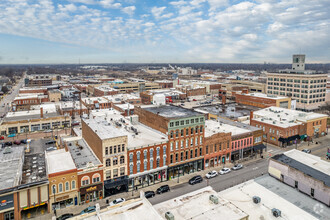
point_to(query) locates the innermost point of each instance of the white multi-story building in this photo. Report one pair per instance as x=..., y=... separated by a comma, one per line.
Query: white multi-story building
x=307, y=87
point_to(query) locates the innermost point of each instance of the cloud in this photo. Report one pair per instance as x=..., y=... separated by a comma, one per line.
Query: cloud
x=158, y=13
x=129, y=10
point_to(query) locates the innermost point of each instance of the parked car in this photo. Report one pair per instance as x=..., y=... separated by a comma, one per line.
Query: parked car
x=163, y=189
x=51, y=148
x=149, y=194
x=24, y=141
x=50, y=142
x=237, y=167
x=2, y=137
x=194, y=100
x=211, y=174
x=65, y=216
x=307, y=151
x=17, y=142
x=48, y=131
x=74, y=123
x=195, y=179
x=9, y=143
x=224, y=171
x=88, y=210
x=117, y=201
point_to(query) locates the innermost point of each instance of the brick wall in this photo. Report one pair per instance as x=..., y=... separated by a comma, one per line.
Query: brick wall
x=92, y=139
x=152, y=120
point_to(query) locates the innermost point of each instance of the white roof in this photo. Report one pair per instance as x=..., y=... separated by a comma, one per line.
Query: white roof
x=283, y=117
x=91, y=100
x=197, y=205
x=309, y=160
x=125, y=106
x=213, y=127
x=263, y=95
x=241, y=196
x=58, y=161
x=131, y=209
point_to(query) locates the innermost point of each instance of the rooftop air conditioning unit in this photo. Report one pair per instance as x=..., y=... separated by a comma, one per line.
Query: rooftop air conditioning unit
x=169, y=216
x=256, y=199
x=214, y=199
x=276, y=212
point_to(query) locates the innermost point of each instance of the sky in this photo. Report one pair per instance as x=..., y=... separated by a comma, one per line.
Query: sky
x=160, y=31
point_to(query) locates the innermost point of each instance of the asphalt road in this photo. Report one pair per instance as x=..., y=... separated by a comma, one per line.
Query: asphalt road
x=7, y=99
x=218, y=183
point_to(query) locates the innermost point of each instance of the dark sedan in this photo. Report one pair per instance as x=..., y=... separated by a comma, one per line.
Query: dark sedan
x=149, y=194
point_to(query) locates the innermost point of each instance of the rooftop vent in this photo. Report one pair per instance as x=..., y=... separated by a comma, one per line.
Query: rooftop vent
x=214, y=199
x=256, y=199
x=8, y=150
x=276, y=212
x=169, y=216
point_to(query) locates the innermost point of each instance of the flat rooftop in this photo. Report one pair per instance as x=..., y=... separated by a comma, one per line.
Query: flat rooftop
x=26, y=115
x=91, y=100
x=58, y=161
x=284, y=117
x=81, y=152
x=273, y=194
x=34, y=168
x=231, y=111
x=296, y=160
x=119, y=98
x=197, y=205
x=11, y=165
x=265, y=96
x=138, y=135
x=172, y=112
x=103, y=129
x=131, y=209
x=213, y=127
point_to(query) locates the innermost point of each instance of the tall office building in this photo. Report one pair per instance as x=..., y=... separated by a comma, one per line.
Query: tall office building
x=306, y=86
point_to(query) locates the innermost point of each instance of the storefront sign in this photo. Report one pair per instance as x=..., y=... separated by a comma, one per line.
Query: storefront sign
x=34, y=206
x=62, y=198
x=6, y=202
x=92, y=188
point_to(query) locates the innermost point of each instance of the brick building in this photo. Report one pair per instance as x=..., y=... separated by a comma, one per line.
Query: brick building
x=262, y=100
x=165, y=83
x=283, y=127
x=104, y=90
x=37, y=90
x=25, y=102
x=217, y=148
x=185, y=131
x=96, y=103
x=89, y=170
x=38, y=80
x=62, y=176
x=110, y=147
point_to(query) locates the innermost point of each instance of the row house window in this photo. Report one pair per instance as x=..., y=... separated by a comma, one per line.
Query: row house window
x=115, y=160
x=131, y=169
x=122, y=171
x=151, y=163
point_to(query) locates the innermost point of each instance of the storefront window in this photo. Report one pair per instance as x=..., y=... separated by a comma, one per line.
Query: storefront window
x=73, y=184
x=60, y=187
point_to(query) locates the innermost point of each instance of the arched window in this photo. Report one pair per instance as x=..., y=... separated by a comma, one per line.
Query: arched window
x=85, y=180
x=122, y=159
x=96, y=178
x=108, y=163
x=67, y=186
x=54, y=189
x=73, y=184
x=138, y=155
x=115, y=161
x=60, y=187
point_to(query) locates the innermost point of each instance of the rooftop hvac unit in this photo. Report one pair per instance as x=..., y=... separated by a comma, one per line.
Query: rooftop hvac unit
x=276, y=212
x=214, y=199
x=169, y=216
x=256, y=199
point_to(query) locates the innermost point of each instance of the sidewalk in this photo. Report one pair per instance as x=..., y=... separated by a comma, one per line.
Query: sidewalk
x=135, y=194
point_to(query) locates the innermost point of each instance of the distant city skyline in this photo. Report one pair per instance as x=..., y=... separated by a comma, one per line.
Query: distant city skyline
x=145, y=31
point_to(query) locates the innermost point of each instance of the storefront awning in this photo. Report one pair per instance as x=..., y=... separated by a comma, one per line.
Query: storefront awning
x=147, y=172
x=259, y=147
x=303, y=136
x=289, y=138
x=109, y=185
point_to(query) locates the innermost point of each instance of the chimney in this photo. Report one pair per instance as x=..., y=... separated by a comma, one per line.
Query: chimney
x=223, y=99
x=251, y=116
x=41, y=112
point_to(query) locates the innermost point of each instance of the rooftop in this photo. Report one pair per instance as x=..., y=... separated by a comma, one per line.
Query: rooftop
x=103, y=129
x=213, y=127
x=11, y=164
x=131, y=209
x=273, y=194
x=34, y=168
x=26, y=115
x=197, y=205
x=265, y=96
x=172, y=112
x=319, y=171
x=58, y=161
x=231, y=111
x=91, y=100
x=138, y=134
x=283, y=117
x=81, y=153
x=119, y=98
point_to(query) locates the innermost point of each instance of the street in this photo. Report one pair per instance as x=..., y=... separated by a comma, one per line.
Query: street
x=8, y=98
